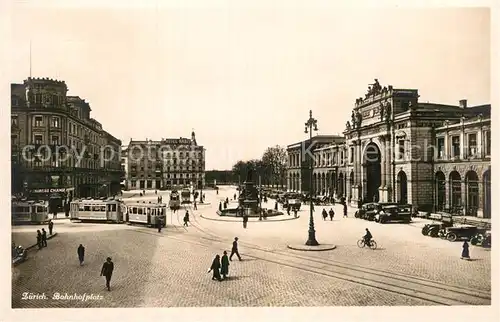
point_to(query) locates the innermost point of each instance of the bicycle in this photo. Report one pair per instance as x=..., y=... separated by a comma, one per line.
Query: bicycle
x=373, y=244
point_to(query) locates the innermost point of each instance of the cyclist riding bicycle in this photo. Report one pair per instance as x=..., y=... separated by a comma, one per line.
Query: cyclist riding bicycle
x=367, y=238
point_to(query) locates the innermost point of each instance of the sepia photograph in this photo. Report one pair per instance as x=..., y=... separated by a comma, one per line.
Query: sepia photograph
x=232, y=154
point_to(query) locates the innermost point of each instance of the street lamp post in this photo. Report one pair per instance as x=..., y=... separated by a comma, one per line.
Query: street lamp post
x=310, y=126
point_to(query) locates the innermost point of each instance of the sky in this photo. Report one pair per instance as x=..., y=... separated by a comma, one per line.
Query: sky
x=245, y=78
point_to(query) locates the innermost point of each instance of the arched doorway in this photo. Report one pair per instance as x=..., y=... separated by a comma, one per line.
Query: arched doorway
x=487, y=194
x=340, y=185
x=440, y=186
x=472, y=196
x=455, y=191
x=372, y=158
x=402, y=188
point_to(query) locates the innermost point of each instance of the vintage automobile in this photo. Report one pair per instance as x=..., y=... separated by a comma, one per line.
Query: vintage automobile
x=438, y=228
x=19, y=255
x=394, y=213
x=293, y=204
x=460, y=232
x=368, y=211
x=482, y=239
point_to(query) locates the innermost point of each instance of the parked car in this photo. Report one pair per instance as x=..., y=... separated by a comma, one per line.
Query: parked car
x=19, y=255
x=293, y=204
x=482, y=239
x=460, y=232
x=367, y=211
x=438, y=228
x=394, y=213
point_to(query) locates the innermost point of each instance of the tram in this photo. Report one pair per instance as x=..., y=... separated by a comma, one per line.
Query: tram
x=97, y=210
x=185, y=196
x=27, y=212
x=175, y=202
x=146, y=213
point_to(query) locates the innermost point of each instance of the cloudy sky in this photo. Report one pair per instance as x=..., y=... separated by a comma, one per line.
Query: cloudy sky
x=245, y=78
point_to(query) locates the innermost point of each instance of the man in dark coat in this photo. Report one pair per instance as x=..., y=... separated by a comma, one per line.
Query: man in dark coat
x=51, y=227
x=107, y=271
x=324, y=213
x=81, y=253
x=159, y=223
x=234, y=250
x=66, y=209
x=331, y=213
x=224, y=269
x=215, y=269
x=44, y=238
x=220, y=206
x=186, y=219
x=39, y=239
x=465, y=251
x=245, y=220
x=345, y=209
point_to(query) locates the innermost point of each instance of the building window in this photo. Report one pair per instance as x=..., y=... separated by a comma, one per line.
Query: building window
x=472, y=145
x=401, y=149
x=455, y=146
x=38, y=120
x=37, y=163
x=38, y=139
x=351, y=156
x=55, y=140
x=132, y=183
x=56, y=122
x=487, y=143
x=440, y=147
x=14, y=120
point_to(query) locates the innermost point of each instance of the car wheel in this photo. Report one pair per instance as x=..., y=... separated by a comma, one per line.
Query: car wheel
x=433, y=232
x=382, y=220
x=425, y=231
x=451, y=237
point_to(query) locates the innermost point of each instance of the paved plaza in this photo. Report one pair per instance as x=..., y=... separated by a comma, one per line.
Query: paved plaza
x=169, y=269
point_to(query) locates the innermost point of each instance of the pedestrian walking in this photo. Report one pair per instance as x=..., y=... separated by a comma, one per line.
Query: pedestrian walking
x=227, y=200
x=345, y=210
x=465, y=251
x=224, y=268
x=217, y=191
x=203, y=199
x=225, y=205
x=159, y=224
x=39, y=239
x=66, y=209
x=194, y=205
x=332, y=214
x=44, y=238
x=186, y=219
x=156, y=192
x=324, y=213
x=234, y=250
x=220, y=206
x=107, y=271
x=245, y=221
x=51, y=227
x=295, y=212
x=215, y=268
x=288, y=210
x=234, y=197
x=276, y=206
x=81, y=254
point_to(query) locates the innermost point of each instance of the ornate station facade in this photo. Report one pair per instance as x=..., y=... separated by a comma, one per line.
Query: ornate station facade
x=397, y=149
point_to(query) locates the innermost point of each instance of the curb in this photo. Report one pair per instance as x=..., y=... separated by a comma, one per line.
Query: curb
x=257, y=220
x=35, y=245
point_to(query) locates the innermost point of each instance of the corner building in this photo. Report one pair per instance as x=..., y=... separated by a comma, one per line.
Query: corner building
x=436, y=157
x=170, y=163
x=56, y=146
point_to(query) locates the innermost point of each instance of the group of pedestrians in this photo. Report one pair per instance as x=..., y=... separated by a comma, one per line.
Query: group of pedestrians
x=41, y=238
x=220, y=266
x=106, y=269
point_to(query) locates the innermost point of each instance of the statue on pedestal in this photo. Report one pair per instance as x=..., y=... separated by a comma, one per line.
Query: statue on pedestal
x=348, y=126
x=28, y=95
x=359, y=118
x=382, y=111
x=387, y=111
x=353, y=119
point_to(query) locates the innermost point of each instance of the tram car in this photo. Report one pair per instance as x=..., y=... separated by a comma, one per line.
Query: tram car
x=97, y=210
x=146, y=213
x=185, y=196
x=28, y=212
x=175, y=202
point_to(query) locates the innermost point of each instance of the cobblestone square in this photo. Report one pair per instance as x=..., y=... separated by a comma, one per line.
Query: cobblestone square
x=169, y=269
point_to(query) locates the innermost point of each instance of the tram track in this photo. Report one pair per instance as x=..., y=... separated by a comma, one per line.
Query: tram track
x=408, y=285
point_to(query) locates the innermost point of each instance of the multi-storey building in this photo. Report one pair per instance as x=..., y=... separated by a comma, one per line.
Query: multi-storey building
x=166, y=164
x=58, y=150
x=397, y=149
x=299, y=157
x=124, y=167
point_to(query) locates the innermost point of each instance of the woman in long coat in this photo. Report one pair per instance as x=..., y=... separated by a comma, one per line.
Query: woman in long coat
x=215, y=268
x=465, y=251
x=224, y=270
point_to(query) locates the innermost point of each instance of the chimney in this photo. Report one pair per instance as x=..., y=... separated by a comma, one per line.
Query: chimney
x=463, y=103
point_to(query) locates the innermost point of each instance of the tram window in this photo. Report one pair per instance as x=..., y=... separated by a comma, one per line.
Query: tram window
x=149, y=211
x=86, y=208
x=103, y=208
x=139, y=211
x=134, y=210
x=40, y=209
x=113, y=207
